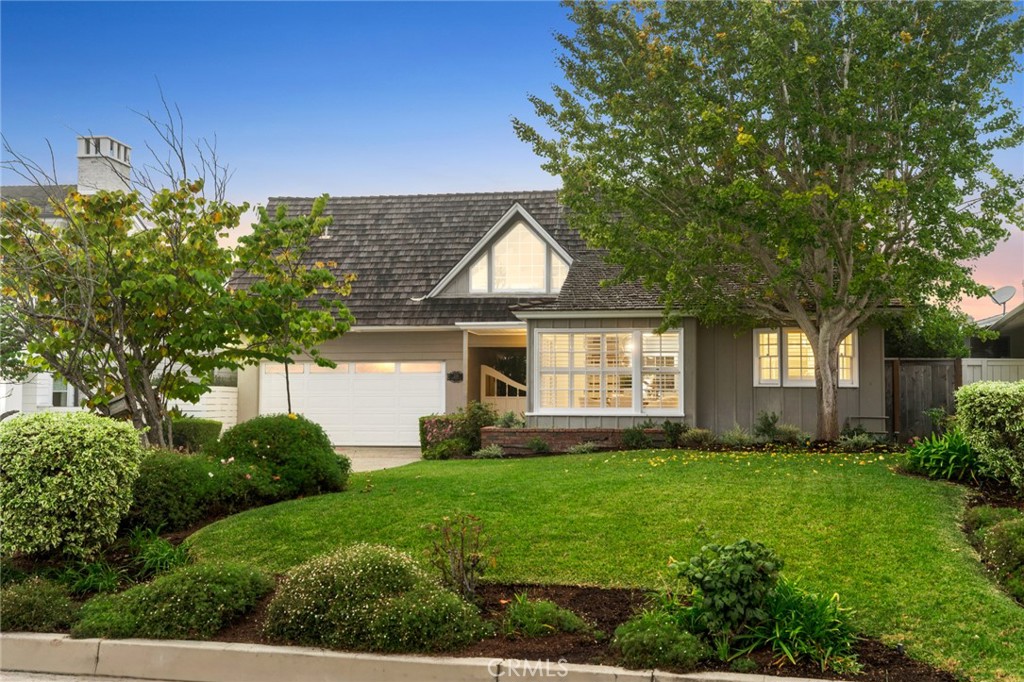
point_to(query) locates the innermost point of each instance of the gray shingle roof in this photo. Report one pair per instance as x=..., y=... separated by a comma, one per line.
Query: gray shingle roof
x=37, y=196
x=400, y=247
x=582, y=288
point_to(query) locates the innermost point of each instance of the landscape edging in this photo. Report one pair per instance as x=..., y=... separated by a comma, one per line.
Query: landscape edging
x=187, y=661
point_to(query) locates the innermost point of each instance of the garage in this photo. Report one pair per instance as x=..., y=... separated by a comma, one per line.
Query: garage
x=358, y=403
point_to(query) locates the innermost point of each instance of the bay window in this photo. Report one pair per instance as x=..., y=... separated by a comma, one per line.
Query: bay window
x=784, y=357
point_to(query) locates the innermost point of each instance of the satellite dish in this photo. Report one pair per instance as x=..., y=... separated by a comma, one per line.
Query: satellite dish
x=1002, y=295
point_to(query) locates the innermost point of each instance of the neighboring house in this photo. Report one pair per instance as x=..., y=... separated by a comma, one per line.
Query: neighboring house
x=1001, y=359
x=448, y=283
x=103, y=164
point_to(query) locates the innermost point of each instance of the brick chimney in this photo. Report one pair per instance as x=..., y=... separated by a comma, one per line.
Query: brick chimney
x=103, y=164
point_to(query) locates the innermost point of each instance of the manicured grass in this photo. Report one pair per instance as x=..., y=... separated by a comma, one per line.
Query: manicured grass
x=889, y=544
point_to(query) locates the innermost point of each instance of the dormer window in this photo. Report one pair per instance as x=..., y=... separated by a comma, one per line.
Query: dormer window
x=519, y=261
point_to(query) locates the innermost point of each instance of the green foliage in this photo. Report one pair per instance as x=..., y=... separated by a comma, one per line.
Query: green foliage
x=991, y=414
x=736, y=437
x=154, y=554
x=293, y=451
x=802, y=625
x=526, y=618
x=451, y=448
x=492, y=451
x=91, y=577
x=192, y=602
x=474, y=417
x=931, y=332
x=697, y=438
x=636, y=438
x=436, y=428
x=511, y=420
x=790, y=434
x=65, y=481
x=711, y=107
x=369, y=597
x=173, y=491
x=537, y=445
x=983, y=517
x=674, y=432
x=194, y=434
x=947, y=456
x=858, y=442
x=653, y=639
x=731, y=585
x=461, y=553
x=766, y=426
x=1003, y=549
x=583, y=448
x=36, y=605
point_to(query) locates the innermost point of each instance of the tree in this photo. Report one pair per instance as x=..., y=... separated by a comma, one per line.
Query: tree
x=794, y=162
x=931, y=333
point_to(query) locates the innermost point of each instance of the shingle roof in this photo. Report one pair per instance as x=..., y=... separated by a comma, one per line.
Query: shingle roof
x=37, y=196
x=582, y=288
x=400, y=247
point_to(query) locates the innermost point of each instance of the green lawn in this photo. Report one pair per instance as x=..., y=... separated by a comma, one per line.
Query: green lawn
x=889, y=544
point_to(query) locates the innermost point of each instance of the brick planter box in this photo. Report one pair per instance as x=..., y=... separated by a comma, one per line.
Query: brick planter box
x=513, y=441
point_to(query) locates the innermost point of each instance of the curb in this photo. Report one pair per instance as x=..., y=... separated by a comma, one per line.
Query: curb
x=185, y=661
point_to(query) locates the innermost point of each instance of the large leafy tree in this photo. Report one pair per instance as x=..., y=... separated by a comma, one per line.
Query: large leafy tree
x=797, y=162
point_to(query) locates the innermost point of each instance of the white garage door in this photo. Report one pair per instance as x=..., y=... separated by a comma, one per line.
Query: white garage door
x=358, y=403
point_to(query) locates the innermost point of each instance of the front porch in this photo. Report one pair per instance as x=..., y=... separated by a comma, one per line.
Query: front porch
x=496, y=365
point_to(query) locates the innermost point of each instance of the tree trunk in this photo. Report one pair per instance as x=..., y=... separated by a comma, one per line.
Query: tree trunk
x=826, y=375
x=287, y=387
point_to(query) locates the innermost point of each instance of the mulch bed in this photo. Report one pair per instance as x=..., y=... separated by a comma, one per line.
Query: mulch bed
x=606, y=609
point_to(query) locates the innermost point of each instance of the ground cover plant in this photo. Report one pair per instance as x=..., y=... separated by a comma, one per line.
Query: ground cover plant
x=536, y=618
x=36, y=605
x=846, y=523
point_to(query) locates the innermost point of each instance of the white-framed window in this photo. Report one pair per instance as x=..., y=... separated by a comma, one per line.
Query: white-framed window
x=784, y=357
x=619, y=371
x=519, y=261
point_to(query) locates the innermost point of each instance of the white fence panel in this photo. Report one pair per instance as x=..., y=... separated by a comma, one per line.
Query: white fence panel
x=993, y=369
x=221, y=403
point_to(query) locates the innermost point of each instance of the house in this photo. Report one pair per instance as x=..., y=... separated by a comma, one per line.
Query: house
x=453, y=288
x=1001, y=359
x=104, y=164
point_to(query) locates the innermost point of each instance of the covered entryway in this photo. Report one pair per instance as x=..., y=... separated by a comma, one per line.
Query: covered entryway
x=359, y=403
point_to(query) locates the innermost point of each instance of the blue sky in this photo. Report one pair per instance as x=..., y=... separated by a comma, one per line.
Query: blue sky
x=346, y=98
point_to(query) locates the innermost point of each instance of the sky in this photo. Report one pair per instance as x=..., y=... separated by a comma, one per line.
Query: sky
x=347, y=98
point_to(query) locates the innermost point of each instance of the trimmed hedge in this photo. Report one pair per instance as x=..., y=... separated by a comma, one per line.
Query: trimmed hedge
x=194, y=434
x=65, y=481
x=173, y=491
x=991, y=414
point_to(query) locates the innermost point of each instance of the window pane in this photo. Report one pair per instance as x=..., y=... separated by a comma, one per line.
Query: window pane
x=519, y=261
x=420, y=367
x=618, y=350
x=661, y=391
x=554, y=390
x=275, y=368
x=661, y=350
x=342, y=368
x=618, y=390
x=846, y=359
x=375, y=368
x=478, y=275
x=558, y=272
x=554, y=351
x=799, y=357
x=587, y=351
x=768, y=356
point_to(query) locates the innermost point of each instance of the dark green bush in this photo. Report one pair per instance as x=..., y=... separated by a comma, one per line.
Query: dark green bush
x=511, y=420
x=636, y=438
x=674, y=432
x=526, y=618
x=193, y=602
x=448, y=449
x=173, y=491
x=537, y=445
x=1003, y=549
x=475, y=416
x=36, y=605
x=983, y=517
x=654, y=640
x=194, y=434
x=293, y=451
x=369, y=597
x=766, y=426
x=947, y=456
x=801, y=625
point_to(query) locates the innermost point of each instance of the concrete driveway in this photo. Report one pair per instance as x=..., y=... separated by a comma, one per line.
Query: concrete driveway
x=374, y=459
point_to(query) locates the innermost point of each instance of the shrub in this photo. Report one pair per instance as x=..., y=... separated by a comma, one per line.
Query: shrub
x=193, y=602
x=194, y=434
x=991, y=414
x=857, y=442
x=697, y=438
x=801, y=624
x=537, y=445
x=673, y=432
x=736, y=437
x=368, y=597
x=947, y=456
x=511, y=420
x=448, y=449
x=173, y=491
x=766, y=426
x=636, y=438
x=492, y=451
x=91, y=577
x=475, y=416
x=654, y=640
x=731, y=583
x=583, y=448
x=460, y=553
x=36, y=605
x=525, y=618
x=1003, y=549
x=790, y=434
x=154, y=555
x=294, y=451
x=65, y=481
x=983, y=517
x=436, y=428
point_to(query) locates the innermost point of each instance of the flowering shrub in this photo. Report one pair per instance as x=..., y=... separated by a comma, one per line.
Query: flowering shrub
x=65, y=481
x=436, y=428
x=369, y=597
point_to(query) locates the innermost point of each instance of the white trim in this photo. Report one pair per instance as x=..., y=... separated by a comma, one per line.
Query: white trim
x=783, y=345
x=758, y=381
x=485, y=242
x=583, y=314
x=404, y=328
x=486, y=326
x=636, y=370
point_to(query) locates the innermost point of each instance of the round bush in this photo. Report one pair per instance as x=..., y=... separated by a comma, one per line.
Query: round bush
x=194, y=434
x=65, y=481
x=448, y=449
x=36, y=605
x=991, y=414
x=289, y=447
x=171, y=493
x=193, y=602
x=368, y=597
x=653, y=639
